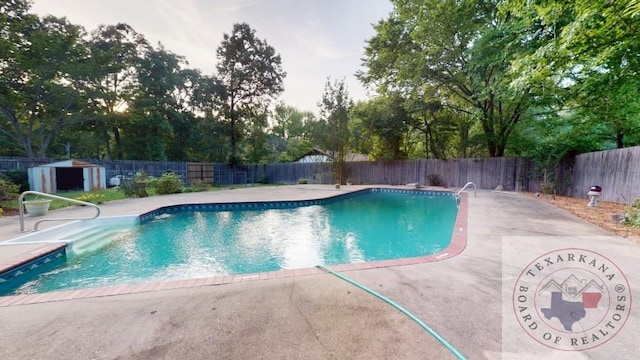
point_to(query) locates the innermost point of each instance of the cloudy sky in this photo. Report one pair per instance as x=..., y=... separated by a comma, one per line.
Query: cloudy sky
x=316, y=38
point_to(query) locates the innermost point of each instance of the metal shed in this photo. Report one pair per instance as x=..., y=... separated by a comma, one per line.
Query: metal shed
x=68, y=175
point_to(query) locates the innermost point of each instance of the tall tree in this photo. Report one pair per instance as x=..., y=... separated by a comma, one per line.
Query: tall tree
x=384, y=121
x=154, y=107
x=257, y=138
x=184, y=122
x=40, y=67
x=290, y=132
x=590, y=51
x=335, y=113
x=211, y=135
x=460, y=50
x=115, y=53
x=288, y=121
x=251, y=76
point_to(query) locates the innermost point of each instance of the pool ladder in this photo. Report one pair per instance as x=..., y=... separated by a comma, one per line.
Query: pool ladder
x=475, y=189
x=459, y=193
x=38, y=193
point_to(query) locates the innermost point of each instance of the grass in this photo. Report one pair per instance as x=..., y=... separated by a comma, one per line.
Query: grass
x=98, y=196
x=8, y=208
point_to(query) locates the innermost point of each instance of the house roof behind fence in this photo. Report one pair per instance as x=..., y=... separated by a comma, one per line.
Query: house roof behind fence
x=319, y=152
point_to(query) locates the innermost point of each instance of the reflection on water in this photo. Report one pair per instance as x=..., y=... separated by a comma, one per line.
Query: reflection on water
x=370, y=227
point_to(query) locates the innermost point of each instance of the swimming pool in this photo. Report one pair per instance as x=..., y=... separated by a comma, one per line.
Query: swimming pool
x=193, y=241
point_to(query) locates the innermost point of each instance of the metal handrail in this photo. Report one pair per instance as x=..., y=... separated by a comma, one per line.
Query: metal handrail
x=475, y=189
x=35, y=227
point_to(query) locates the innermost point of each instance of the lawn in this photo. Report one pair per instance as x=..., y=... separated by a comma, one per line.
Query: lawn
x=9, y=208
x=96, y=197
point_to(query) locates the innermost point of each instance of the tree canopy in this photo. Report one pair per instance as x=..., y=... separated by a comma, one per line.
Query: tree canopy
x=251, y=76
x=449, y=78
x=489, y=75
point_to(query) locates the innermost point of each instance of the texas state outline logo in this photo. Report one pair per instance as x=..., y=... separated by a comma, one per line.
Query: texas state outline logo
x=572, y=299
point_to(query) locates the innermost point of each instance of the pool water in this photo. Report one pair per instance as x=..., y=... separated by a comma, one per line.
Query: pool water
x=373, y=226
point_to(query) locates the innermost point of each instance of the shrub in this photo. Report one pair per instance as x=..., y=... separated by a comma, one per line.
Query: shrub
x=8, y=190
x=631, y=216
x=141, y=189
x=197, y=186
x=20, y=178
x=302, y=181
x=168, y=183
x=436, y=180
x=128, y=186
x=136, y=186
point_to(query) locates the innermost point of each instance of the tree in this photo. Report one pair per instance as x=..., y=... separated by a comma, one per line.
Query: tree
x=335, y=108
x=154, y=107
x=251, y=76
x=42, y=62
x=288, y=122
x=257, y=138
x=589, y=49
x=382, y=124
x=184, y=122
x=210, y=140
x=115, y=53
x=459, y=50
x=437, y=125
x=291, y=135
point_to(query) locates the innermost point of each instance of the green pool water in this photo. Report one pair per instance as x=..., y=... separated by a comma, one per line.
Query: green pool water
x=369, y=227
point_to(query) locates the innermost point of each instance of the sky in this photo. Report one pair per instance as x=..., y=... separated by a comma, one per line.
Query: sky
x=315, y=38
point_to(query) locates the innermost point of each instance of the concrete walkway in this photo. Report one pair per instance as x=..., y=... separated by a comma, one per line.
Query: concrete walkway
x=467, y=299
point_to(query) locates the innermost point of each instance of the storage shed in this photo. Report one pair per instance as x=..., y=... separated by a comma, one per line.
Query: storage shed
x=68, y=175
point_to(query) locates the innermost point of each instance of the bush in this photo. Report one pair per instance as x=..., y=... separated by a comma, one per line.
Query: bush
x=20, y=178
x=631, y=217
x=168, y=183
x=197, y=186
x=8, y=190
x=303, y=181
x=136, y=186
x=436, y=180
x=128, y=186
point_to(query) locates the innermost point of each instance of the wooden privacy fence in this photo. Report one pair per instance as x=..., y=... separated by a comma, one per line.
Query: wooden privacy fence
x=200, y=173
x=486, y=173
x=291, y=173
x=616, y=171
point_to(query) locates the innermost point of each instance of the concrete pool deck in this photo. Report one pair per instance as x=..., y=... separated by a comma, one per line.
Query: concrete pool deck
x=465, y=298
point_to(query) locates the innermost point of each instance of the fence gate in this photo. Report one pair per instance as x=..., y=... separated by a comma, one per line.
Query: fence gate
x=200, y=173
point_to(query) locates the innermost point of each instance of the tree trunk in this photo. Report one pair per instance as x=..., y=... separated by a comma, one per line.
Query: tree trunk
x=233, y=159
x=118, y=141
x=620, y=140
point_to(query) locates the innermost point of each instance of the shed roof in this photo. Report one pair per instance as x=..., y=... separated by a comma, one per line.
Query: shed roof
x=70, y=164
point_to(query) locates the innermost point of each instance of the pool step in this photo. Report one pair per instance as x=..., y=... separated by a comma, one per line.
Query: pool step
x=94, y=238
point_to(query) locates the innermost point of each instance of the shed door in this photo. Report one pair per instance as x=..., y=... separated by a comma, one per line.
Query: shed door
x=69, y=179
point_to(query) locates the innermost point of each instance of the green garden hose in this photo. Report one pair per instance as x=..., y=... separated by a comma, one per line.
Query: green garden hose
x=403, y=310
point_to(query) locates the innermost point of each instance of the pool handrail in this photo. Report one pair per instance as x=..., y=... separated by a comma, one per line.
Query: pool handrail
x=38, y=193
x=475, y=189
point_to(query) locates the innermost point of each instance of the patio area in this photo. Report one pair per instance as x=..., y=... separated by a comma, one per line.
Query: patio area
x=467, y=298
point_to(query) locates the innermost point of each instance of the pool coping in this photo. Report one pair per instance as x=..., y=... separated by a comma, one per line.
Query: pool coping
x=457, y=246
